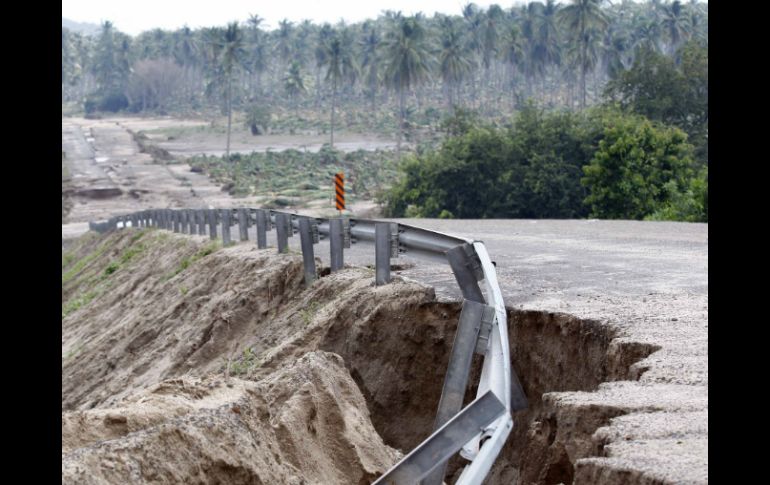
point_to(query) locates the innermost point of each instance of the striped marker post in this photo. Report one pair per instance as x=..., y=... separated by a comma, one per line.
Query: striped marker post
x=339, y=191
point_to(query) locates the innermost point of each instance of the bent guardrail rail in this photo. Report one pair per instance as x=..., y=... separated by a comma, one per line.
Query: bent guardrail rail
x=477, y=431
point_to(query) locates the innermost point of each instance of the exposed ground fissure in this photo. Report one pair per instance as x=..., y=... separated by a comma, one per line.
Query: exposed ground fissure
x=169, y=349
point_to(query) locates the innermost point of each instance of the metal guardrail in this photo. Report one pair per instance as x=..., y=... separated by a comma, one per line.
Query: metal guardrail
x=477, y=431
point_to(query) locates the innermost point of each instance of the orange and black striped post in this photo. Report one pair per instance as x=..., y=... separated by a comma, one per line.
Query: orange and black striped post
x=339, y=190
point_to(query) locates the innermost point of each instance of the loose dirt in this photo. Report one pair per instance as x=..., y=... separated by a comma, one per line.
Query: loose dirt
x=183, y=362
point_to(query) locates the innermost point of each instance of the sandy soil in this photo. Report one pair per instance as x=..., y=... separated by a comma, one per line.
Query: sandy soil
x=145, y=386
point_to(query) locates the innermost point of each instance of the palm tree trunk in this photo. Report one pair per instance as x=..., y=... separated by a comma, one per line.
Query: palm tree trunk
x=229, y=113
x=582, y=87
x=334, y=98
x=400, y=122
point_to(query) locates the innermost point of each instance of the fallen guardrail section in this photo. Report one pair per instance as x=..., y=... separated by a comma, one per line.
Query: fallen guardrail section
x=477, y=431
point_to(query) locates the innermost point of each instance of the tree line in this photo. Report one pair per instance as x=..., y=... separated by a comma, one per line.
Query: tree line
x=561, y=55
x=560, y=110
x=640, y=154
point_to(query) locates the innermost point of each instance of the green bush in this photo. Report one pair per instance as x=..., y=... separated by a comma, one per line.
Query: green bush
x=603, y=163
x=640, y=168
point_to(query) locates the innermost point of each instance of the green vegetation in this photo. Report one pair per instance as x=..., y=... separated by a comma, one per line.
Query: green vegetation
x=77, y=302
x=78, y=266
x=309, y=313
x=91, y=280
x=187, y=262
x=642, y=170
x=245, y=363
x=292, y=173
x=605, y=163
x=544, y=80
x=662, y=90
x=560, y=54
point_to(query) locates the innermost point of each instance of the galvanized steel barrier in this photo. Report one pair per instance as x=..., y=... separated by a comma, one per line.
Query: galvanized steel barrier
x=477, y=431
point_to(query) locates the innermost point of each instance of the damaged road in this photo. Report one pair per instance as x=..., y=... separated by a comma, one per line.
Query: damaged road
x=606, y=405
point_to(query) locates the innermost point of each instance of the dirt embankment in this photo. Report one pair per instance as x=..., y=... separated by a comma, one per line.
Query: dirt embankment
x=183, y=362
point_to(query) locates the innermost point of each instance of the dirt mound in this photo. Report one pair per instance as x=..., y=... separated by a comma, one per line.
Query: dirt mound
x=306, y=423
x=185, y=362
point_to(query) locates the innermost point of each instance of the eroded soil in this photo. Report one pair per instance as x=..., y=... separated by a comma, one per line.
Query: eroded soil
x=186, y=362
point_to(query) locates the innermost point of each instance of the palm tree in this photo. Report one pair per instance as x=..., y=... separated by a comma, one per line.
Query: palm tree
x=528, y=19
x=454, y=58
x=582, y=19
x=491, y=20
x=548, y=38
x=370, y=60
x=676, y=24
x=647, y=35
x=256, y=50
x=473, y=18
x=293, y=83
x=614, y=50
x=284, y=41
x=186, y=55
x=513, y=54
x=340, y=65
x=325, y=35
x=227, y=45
x=407, y=62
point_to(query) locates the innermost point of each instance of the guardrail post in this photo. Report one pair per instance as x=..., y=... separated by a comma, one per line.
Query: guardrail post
x=282, y=222
x=382, y=253
x=183, y=221
x=336, y=242
x=467, y=270
x=212, y=213
x=306, y=240
x=226, y=213
x=201, y=222
x=472, y=318
x=243, y=224
x=175, y=218
x=190, y=216
x=263, y=222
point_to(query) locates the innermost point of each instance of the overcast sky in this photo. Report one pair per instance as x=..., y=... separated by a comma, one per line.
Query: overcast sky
x=136, y=16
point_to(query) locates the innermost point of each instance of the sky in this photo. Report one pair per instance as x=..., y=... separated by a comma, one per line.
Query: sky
x=136, y=16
